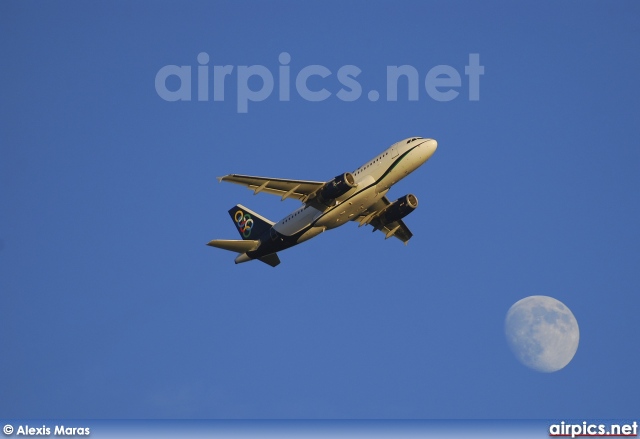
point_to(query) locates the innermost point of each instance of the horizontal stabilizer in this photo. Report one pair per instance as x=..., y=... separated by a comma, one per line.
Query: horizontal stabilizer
x=235, y=245
x=271, y=259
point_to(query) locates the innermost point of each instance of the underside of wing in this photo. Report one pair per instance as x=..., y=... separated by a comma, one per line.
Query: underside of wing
x=298, y=189
x=396, y=228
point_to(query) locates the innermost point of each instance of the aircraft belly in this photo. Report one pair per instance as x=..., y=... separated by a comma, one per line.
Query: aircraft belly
x=311, y=233
x=349, y=209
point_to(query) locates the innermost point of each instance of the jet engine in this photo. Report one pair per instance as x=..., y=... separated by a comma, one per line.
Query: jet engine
x=400, y=208
x=337, y=187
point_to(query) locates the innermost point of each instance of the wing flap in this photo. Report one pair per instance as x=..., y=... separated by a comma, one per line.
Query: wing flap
x=298, y=189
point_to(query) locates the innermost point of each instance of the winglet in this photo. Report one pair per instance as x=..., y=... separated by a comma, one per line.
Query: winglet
x=220, y=179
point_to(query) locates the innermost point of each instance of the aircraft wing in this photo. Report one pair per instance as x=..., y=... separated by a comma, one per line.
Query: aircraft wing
x=397, y=228
x=299, y=189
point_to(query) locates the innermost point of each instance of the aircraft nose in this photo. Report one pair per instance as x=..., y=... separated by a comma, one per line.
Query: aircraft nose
x=430, y=147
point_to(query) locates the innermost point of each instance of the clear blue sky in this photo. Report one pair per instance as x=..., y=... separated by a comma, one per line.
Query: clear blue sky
x=113, y=307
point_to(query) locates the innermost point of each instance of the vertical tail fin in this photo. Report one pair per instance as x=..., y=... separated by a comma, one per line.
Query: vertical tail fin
x=250, y=225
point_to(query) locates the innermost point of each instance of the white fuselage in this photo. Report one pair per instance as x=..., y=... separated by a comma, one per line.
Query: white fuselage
x=373, y=180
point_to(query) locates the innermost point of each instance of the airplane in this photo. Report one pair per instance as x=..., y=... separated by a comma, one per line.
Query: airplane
x=358, y=196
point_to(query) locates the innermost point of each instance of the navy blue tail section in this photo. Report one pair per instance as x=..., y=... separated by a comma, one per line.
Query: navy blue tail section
x=250, y=225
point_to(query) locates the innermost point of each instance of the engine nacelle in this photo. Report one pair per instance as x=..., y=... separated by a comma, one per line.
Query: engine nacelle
x=337, y=187
x=400, y=208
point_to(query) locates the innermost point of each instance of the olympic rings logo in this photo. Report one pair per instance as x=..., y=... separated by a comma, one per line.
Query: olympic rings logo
x=244, y=222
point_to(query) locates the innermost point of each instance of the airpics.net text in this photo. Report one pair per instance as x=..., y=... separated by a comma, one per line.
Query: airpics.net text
x=256, y=83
